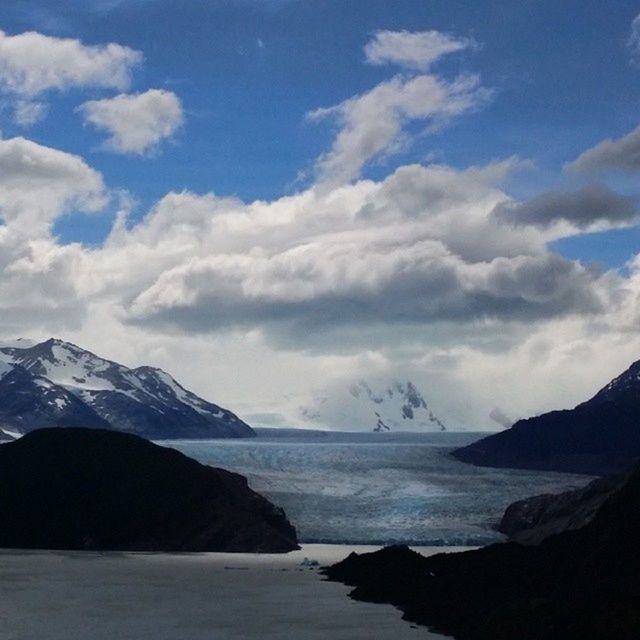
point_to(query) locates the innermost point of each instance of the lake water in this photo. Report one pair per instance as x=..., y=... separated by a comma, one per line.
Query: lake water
x=190, y=596
x=369, y=488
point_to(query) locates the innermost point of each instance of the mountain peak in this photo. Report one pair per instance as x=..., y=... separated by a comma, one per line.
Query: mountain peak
x=145, y=401
x=628, y=382
x=395, y=406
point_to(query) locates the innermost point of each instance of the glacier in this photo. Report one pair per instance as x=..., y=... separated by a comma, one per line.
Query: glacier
x=377, y=488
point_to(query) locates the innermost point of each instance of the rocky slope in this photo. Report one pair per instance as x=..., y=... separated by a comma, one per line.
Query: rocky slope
x=398, y=406
x=600, y=436
x=532, y=520
x=56, y=383
x=96, y=489
x=575, y=585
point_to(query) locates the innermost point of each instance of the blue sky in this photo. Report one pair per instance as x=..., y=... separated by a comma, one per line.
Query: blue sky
x=248, y=72
x=319, y=191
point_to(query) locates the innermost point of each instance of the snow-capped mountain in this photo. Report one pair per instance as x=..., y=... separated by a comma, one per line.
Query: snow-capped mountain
x=625, y=386
x=598, y=437
x=395, y=407
x=56, y=383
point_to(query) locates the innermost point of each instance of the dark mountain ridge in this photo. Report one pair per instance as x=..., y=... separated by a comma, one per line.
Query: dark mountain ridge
x=598, y=437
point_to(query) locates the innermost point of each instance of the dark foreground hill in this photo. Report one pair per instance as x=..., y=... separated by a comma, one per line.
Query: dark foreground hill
x=95, y=489
x=578, y=585
x=598, y=437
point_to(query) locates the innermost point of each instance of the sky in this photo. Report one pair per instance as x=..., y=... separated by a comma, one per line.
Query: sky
x=274, y=199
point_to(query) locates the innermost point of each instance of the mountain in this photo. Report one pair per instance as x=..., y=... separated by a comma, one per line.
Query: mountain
x=599, y=436
x=395, y=407
x=575, y=585
x=532, y=520
x=94, y=489
x=56, y=383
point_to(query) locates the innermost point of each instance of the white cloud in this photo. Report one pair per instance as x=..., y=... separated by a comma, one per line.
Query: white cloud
x=424, y=241
x=40, y=279
x=136, y=123
x=38, y=184
x=634, y=39
x=372, y=124
x=410, y=276
x=27, y=112
x=32, y=63
x=415, y=50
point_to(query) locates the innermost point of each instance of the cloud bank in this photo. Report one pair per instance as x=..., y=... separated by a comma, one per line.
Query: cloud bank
x=432, y=273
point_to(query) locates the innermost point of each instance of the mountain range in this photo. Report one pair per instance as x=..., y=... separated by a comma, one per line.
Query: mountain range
x=56, y=383
x=599, y=436
x=398, y=406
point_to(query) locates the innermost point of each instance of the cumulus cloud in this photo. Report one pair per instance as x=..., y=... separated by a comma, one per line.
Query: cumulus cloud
x=431, y=273
x=317, y=285
x=31, y=63
x=415, y=50
x=38, y=184
x=392, y=252
x=136, y=123
x=621, y=154
x=39, y=286
x=371, y=124
x=40, y=281
x=408, y=275
x=584, y=208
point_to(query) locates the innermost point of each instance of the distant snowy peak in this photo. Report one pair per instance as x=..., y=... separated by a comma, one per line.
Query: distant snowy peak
x=626, y=384
x=145, y=401
x=395, y=407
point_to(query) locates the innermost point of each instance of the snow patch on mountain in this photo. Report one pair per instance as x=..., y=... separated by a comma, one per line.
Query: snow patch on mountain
x=77, y=386
x=361, y=405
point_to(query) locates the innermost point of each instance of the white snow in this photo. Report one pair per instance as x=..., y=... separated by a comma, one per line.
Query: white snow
x=362, y=405
x=182, y=394
x=76, y=372
x=10, y=432
x=83, y=374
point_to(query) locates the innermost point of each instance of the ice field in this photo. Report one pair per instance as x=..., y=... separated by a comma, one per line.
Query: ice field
x=361, y=488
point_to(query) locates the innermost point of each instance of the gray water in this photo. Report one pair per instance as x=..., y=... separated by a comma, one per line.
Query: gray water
x=366, y=488
x=192, y=596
